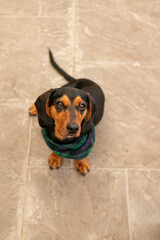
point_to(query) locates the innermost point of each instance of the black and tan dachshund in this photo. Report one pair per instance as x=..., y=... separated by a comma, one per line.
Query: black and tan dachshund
x=69, y=114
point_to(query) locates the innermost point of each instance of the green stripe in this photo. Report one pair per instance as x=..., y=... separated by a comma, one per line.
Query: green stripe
x=72, y=147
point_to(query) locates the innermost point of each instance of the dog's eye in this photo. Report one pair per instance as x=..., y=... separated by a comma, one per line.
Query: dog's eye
x=82, y=106
x=59, y=105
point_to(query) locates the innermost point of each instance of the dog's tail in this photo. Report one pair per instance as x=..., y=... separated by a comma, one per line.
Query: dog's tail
x=59, y=69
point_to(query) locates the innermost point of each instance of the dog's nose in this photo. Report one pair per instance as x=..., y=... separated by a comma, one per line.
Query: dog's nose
x=72, y=128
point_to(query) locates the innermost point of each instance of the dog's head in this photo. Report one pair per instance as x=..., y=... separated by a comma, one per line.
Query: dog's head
x=68, y=111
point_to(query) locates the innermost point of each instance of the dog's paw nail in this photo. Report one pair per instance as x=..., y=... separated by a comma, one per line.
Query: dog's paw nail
x=83, y=174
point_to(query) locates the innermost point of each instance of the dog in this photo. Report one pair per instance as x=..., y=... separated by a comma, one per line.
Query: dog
x=67, y=116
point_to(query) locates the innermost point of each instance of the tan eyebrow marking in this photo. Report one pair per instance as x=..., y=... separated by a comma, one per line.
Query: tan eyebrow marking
x=77, y=101
x=65, y=100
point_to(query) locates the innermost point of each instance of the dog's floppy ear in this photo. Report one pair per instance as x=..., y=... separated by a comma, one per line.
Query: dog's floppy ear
x=88, y=122
x=42, y=106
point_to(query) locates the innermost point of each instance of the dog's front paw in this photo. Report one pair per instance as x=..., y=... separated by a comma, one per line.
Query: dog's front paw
x=54, y=161
x=82, y=166
x=33, y=110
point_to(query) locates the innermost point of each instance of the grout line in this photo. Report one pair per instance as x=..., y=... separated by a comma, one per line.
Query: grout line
x=47, y=167
x=128, y=205
x=127, y=169
x=73, y=43
x=26, y=174
x=40, y=9
x=117, y=64
x=74, y=36
x=98, y=169
x=39, y=15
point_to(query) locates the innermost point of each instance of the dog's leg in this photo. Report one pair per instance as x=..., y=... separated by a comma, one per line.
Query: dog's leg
x=33, y=110
x=54, y=161
x=82, y=166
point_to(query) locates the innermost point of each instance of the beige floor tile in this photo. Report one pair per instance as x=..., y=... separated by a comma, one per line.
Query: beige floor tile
x=64, y=205
x=59, y=8
x=13, y=157
x=19, y=7
x=30, y=32
x=144, y=190
x=25, y=68
x=129, y=134
x=118, y=31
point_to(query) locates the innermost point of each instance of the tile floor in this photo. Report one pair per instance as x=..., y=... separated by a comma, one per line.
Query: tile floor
x=116, y=44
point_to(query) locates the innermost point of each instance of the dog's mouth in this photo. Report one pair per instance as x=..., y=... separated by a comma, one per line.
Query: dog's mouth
x=67, y=135
x=60, y=134
x=71, y=135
